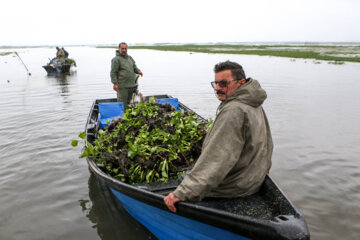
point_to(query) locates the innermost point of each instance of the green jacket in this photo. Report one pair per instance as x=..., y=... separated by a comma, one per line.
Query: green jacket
x=236, y=153
x=123, y=70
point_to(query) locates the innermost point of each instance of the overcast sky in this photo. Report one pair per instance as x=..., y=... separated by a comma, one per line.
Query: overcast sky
x=66, y=22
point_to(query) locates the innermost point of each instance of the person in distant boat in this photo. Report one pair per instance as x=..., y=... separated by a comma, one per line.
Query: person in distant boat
x=236, y=153
x=123, y=74
x=60, y=55
x=66, y=54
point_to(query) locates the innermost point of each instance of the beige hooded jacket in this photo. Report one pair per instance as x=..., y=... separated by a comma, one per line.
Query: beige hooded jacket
x=236, y=153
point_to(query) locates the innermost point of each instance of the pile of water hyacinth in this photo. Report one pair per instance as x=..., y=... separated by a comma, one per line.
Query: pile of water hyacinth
x=150, y=142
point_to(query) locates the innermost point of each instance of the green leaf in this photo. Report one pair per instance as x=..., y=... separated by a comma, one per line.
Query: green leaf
x=109, y=150
x=131, y=154
x=90, y=150
x=82, y=135
x=152, y=100
x=164, y=174
x=85, y=154
x=74, y=143
x=149, y=176
x=164, y=165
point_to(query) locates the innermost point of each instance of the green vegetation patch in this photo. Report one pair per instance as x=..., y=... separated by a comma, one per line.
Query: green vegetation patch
x=344, y=53
x=151, y=142
x=67, y=61
x=70, y=61
x=5, y=53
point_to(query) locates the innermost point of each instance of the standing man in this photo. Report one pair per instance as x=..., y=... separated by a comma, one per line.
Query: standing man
x=66, y=54
x=236, y=153
x=123, y=72
x=59, y=52
x=60, y=55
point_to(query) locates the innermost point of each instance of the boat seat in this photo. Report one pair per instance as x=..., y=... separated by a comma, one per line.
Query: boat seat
x=109, y=111
x=172, y=101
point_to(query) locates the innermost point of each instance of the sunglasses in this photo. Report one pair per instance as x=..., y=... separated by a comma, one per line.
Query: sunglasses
x=222, y=83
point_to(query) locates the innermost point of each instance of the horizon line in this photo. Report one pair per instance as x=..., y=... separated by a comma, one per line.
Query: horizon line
x=180, y=43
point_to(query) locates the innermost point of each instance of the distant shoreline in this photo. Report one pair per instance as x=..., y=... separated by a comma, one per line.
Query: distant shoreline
x=5, y=53
x=333, y=52
x=336, y=54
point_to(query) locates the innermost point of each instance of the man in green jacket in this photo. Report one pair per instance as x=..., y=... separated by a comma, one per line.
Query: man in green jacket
x=123, y=72
x=236, y=153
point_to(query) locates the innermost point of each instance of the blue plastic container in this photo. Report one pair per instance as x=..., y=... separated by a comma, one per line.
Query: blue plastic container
x=172, y=101
x=109, y=111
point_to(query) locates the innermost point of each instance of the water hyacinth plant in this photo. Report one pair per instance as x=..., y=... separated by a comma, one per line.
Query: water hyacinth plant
x=151, y=142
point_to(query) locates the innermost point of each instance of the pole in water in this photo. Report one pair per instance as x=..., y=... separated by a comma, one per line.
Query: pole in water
x=23, y=63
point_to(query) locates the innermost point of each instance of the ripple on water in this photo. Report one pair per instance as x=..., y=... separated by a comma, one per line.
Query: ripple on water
x=44, y=184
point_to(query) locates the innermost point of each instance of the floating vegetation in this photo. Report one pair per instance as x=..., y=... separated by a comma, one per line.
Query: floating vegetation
x=348, y=53
x=5, y=53
x=151, y=142
x=67, y=61
x=336, y=62
x=70, y=61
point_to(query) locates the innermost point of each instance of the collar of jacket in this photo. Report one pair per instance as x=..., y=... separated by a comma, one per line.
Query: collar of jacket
x=118, y=54
x=250, y=93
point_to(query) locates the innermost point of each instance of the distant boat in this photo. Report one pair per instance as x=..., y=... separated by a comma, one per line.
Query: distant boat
x=55, y=66
x=267, y=214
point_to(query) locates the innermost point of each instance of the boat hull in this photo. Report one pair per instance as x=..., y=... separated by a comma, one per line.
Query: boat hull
x=267, y=214
x=54, y=70
x=166, y=225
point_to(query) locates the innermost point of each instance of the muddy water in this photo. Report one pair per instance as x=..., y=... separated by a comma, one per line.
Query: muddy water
x=47, y=192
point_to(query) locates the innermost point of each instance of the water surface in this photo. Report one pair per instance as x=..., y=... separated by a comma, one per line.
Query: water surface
x=47, y=192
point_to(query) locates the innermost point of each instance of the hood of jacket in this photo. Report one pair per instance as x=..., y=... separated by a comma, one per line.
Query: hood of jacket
x=118, y=54
x=250, y=93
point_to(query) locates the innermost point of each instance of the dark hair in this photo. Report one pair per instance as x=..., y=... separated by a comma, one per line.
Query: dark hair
x=122, y=43
x=236, y=69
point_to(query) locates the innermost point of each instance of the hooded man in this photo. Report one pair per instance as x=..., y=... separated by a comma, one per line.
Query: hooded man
x=236, y=153
x=123, y=72
x=60, y=55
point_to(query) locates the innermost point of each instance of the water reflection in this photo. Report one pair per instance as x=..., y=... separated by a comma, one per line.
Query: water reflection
x=108, y=216
x=313, y=110
x=63, y=80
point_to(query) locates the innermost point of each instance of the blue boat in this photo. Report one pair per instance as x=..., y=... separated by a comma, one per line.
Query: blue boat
x=267, y=214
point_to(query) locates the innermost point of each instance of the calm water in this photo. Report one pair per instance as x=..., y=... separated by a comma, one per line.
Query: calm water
x=47, y=192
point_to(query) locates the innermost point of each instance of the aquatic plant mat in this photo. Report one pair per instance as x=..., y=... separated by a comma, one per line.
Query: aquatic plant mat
x=150, y=142
x=336, y=53
x=5, y=53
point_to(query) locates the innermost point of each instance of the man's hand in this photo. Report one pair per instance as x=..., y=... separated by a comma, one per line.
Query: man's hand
x=115, y=87
x=140, y=73
x=170, y=201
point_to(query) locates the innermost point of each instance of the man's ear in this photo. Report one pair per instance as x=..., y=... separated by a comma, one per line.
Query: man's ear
x=242, y=81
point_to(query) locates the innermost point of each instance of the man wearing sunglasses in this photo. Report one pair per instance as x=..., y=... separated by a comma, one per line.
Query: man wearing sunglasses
x=236, y=153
